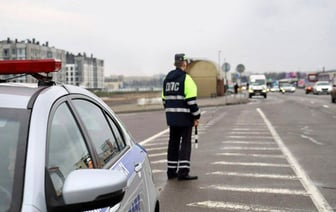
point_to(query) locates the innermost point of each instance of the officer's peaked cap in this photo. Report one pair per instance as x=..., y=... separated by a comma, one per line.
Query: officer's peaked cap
x=180, y=57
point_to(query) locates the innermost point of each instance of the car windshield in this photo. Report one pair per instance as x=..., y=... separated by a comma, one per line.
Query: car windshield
x=258, y=82
x=285, y=85
x=13, y=127
x=323, y=83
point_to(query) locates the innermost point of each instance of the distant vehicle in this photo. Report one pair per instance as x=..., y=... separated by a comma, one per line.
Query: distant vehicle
x=257, y=85
x=275, y=88
x=301, y=83
x=322, y=87
x=287, y=88
x=309, y=88
x=312, y=77
x=63, y=149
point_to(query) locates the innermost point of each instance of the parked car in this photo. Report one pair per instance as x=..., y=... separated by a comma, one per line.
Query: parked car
x=287, y=88
x=63, y=149
x=322, y=87
x=309, y=88
x=333, y=94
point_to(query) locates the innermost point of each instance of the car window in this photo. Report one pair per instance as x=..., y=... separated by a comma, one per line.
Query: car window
x=67, y=150
x=116, y=132
x=12, y=125
x=106, y=140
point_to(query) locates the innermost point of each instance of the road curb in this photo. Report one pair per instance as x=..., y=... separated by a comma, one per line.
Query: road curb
x=202, y=102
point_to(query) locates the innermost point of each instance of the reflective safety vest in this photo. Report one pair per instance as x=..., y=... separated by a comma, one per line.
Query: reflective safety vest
x=179, y=99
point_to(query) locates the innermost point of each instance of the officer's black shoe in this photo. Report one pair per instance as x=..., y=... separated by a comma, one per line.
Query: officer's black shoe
x=187, y=177
x=172, y=176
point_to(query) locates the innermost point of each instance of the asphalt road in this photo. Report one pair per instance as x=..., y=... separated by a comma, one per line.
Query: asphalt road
x=275, y=154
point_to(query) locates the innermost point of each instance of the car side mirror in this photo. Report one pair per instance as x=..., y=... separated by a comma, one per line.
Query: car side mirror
x=88, y=189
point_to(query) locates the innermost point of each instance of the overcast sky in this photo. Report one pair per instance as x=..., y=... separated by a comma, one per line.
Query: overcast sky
x=140, y=37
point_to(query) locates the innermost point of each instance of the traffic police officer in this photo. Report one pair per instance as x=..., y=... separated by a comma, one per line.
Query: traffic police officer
x=182, y=113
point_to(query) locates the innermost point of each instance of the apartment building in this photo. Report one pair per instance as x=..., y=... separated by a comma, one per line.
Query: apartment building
x=79, y=70
x=29, y=50
x=87, y=72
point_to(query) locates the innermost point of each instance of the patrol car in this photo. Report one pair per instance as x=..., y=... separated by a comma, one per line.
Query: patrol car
x=63, y=149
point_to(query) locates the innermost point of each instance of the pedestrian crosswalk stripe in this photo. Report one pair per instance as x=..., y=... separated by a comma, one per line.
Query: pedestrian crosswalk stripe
x=249, y=148
x=154, y=137
x=156, y=144
x=255, y=175
x=250, y=155
x=249, y=133
x=250, y=164
x=249, y=123
x=255, y=137
x=158, y=161
x=156, y=171
x=250, y=129
x=258, y=190
x=249, y=142
x=233, y=206
x=156, y=148
x=158, y=154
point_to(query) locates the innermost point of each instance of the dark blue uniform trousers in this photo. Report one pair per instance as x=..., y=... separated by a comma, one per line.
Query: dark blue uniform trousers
x=179, y=151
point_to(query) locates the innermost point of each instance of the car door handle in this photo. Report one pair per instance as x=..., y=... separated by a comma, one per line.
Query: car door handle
x=138, y=167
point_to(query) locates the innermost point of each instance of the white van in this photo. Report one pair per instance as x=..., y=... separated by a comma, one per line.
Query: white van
x=257, y=85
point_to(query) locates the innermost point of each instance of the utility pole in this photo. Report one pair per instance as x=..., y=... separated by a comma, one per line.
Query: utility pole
x=219, y=60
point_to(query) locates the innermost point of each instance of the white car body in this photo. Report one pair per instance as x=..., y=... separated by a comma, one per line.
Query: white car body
x=322, y=87
x=287, y=88
x=257, y=85
x=64, y=149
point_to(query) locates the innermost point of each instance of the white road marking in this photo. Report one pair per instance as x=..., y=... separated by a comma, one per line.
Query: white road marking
x=249, y=129
x=213, y=121
x=306, y=130
x=256, y=137
x=162, y=138
x=156, y=144
x=249, y=142
x=311, y=139
x=156, y=148
x=158, y=154
x=255, y=175
x=249, y=123
x=325, y=106
x=153, y=137
x=158, y=161
x=250, y=164
x=258, y=190
x=250, y=148
x=155, y=171
x=250, y=155
x=318, y=199
x=232, y=206
x=250, y=133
